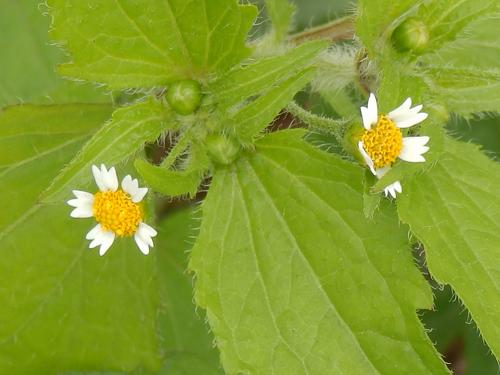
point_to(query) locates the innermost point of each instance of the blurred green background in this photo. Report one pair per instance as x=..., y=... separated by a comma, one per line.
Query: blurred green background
x=27, y=75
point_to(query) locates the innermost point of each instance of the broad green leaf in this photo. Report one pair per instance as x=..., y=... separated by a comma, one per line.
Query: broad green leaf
x=454, y=209
x=187, y=345
x=28, y=61
x=168, y=182
x=116, y=141
x=280, y=12
x=466, y=72
x=296, y=281
x=249, y=80
x=64, y=307
x=250, y=120
x=126, y=43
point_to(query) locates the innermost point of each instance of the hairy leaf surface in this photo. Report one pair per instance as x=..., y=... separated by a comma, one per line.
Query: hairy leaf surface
x=295, y=280
x=116, y=141
x=454, y=209
x=129, y=43
x=253, y=79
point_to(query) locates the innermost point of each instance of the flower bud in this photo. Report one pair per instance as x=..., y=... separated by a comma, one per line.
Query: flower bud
x=222, y=149
x=411, y=35
x=184, y=96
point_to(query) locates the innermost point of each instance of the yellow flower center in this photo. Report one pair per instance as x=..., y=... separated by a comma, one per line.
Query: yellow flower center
x=116, y=212
x=383, y=142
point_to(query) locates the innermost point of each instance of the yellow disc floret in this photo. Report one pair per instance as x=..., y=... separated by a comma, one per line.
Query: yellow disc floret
x=116, y=212
x=383, y=142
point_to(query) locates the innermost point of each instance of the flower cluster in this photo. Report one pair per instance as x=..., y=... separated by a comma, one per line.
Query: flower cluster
x=382, y=142
x=117, y=211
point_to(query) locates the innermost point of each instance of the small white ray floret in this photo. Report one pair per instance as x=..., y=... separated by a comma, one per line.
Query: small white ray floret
x=82, y=203
x=370, y=113
x=143, y=237
x=105, y=180
x=131, y=186
x=100, y=237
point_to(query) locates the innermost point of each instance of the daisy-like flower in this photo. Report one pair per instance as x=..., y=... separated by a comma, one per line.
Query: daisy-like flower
x=117, y=211
x=382, y=142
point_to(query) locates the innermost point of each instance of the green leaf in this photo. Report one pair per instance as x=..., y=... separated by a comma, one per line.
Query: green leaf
x=454, y=209
x=66, y=307
x=295, y=280
x=466, y=72
x=188, y=346
x=249, y=80
x=280, y=12
x=250, y=120
x=28, y=61
x=171, y=183
x=125, y=43
x=116, y=141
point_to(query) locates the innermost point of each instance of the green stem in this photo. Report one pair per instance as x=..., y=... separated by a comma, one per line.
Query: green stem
x=176, y=151
x=320, y=123
x=339, y=29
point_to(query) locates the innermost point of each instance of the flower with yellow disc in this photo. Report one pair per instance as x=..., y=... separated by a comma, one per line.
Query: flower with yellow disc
x=382, y=142
x=116, y=210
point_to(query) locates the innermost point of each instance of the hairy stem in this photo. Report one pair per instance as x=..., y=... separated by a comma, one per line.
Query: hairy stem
x=176, y=151
x=320, y=123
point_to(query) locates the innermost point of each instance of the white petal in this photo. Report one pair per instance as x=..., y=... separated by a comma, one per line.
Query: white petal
x=366, y=118
x=109, y=178
x=94, y=232
x=139, y=195
x=367, y=158
x=131, y=186
x=107, y=240
x=143, y=237
x=403, y=108
x=83, y=210
x=409, y=114
x=372, y=109
x=393, y=188
x=414, y=120
x=144, y=228
x=83, y=204
x=83, y=195
x=98, y=177
x=143, y=246
x=413, y=149
x=416, y=141
x=128, y=185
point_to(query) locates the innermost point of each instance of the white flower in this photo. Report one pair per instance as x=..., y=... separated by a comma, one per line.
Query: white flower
x=382, y=141
x=116, y=210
